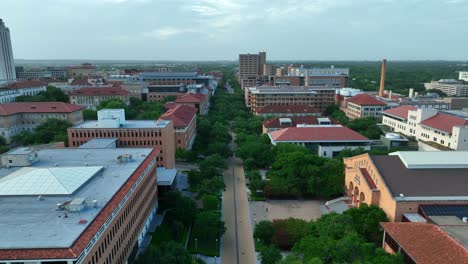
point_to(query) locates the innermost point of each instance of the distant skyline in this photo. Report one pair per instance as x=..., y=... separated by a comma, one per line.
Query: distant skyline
x=221, y=29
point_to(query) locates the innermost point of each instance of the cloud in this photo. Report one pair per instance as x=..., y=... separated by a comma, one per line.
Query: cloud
x=167, y=32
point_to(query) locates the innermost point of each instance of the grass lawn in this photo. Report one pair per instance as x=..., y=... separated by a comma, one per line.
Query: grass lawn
x=204, y=247
x=163, y=233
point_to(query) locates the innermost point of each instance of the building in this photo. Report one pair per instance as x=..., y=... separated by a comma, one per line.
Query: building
x=177, y=79
x=111, y=123
x=261, y=96
x=287, y=80
x=329, y=77
x=269, y=69
x=278, y=123
x=9, y=92
x=91, y=97
x=77, y=205
x=199, y=101
x=425, y=243
x=184, y=119
x=251, y=65
x=287, y=111
x=325, y=140
x=450, y=87
x=456, y=103
x=434, y=129
x=364, y=105
x=18, y=117
x=402, y=181
x=38, y=74
x=7, y=63
x=463, y=76
x=85, y=69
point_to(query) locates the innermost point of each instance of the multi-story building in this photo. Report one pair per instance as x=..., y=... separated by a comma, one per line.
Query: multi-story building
x=287, y=80
x=456, y=103
x=269, y=69
x=449, y=86
x=7, y=63
x=324, y=140
x=251, y=65
x=111, y=123
x=287, y=111
x=278, y=123
x=36, y=74
x=364, y=105
x=9, y=92
x=177, y=78
x=18, y=117
x=330, y=77
x=281, y=71
x=463, y=76
x=439, y=129
x=184, y=119
x=199, y=101
x=261, y=96
x=76, y=205
x=91, y=97
x=402, y=181
x=85, y=69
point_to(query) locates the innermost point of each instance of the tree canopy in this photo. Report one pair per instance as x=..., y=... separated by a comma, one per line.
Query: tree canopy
x=52, y=130
x=52, y=94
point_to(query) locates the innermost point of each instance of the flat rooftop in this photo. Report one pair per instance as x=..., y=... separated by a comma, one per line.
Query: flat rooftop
x=128, y=124
x=423, y=183
x=99, y=143
x=30, y=221
x=287, y=89
x=433, y=159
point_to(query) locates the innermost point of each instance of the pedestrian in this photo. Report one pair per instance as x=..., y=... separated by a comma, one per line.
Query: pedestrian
x=266, y=209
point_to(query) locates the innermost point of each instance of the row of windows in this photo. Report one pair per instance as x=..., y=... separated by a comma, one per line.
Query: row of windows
x=115, y=133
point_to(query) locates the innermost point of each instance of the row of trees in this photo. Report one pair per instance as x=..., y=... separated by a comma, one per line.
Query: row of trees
x=137, y=109
x=52, y=130
x=351, y=237
x=52, y=94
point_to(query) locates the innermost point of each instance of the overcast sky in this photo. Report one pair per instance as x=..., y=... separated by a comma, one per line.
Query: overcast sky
x=221, y=29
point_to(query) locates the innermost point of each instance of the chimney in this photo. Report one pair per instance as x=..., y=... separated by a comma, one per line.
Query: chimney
x=382, y=78
x=411, y=93
x=390, y=95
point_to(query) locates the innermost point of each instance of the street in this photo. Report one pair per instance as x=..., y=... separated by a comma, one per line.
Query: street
x=237, y=243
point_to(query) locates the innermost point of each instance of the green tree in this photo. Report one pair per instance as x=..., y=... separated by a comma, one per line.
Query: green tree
x=270, y=255
x=183, y=208
x=208, y=225
x=52, y=130
x=167, y=253
x=211, y=202
x=263, y=232
x=89, y=114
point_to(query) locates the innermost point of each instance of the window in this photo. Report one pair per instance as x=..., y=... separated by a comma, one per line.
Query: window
x=10, y=161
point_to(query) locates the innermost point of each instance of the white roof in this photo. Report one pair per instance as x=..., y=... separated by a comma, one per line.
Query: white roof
x=433, y=159
x=46, y=181
x=165, y=177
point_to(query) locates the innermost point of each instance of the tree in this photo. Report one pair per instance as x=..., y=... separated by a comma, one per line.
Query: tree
x=167, y=253
x=184, y=208
x=263, y=232
x=52, y=130
x=52, y=94
x=211, y=202
x=208, y=225
x=89, y=114
x=270, y=255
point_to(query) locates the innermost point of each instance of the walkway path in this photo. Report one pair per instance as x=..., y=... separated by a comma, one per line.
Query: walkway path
x=237, y=243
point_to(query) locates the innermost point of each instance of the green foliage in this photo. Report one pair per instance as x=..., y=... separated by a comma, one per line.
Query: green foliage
x=136, y=110
x=169, y=98
x=263, y=232
x=211, y=202
x=208, y=225
x=366, y=127
x=89, y=114
x=184, y=208
x=186, y=155
x=296, y=172
x=169, y=253
x=3, y=145
x=52, y=94
x=256, y=183
x=52, y=130
x=286, y=232
x=270, y=255
x=256, y=151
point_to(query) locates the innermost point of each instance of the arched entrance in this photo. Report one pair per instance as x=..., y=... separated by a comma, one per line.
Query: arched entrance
x=356, y=196
x=362, y=198
x=350, y=189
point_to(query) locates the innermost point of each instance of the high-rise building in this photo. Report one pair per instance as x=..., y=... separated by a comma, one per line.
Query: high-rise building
x=7, y=64
x=251, y=65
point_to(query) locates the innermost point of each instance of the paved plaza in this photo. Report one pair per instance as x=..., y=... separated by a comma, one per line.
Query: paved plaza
x=282, y=209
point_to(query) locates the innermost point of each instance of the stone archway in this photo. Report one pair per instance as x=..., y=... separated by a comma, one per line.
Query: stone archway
x=356, y=196
x=350, y=189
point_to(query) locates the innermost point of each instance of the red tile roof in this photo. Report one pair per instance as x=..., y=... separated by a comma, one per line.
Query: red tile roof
x=364, y=99
x=82, y=81
x=85, y=237
x=287, y=109
x=25, y=84
x=444, y=122
x=309, y=120
x=100, y=91
x=401, y=111
x=181, y=115
x=318, y=134
x=426, y=243
x=38, y=107
x=170, y=105
x=190, y=98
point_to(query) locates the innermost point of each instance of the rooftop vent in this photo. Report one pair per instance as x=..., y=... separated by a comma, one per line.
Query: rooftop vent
x=465, y=219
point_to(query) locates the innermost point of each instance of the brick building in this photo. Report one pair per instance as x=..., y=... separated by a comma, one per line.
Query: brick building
x=111, y=123
x=91, y=97
x=402, y=181
x=287, y=110
x=91, y=206
x=278, y=123
x=364, y=105
x=261, y=96
x=9, y=92
x=251, y=65
x=199, y=101
x=18, y=117
x=184, y=119
x=85, y=69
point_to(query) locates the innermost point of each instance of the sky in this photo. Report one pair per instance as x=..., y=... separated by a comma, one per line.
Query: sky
x=221, y=29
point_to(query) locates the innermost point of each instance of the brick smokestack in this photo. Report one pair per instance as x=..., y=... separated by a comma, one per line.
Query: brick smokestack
x=382, y=78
